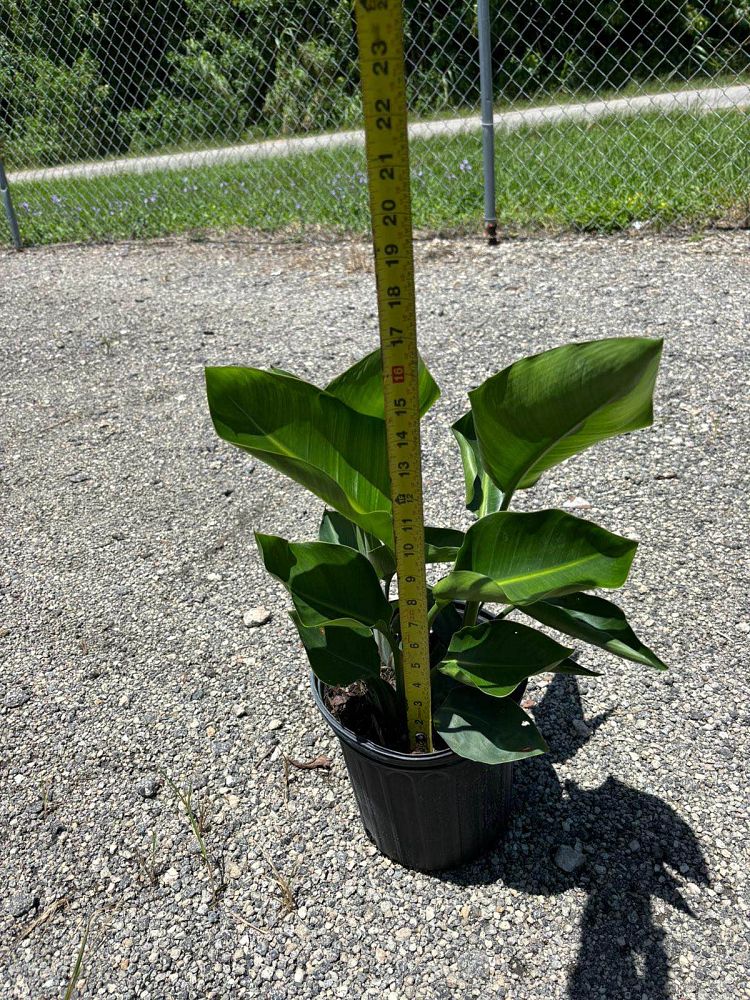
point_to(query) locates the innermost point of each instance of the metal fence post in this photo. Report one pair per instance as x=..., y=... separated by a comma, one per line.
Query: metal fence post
x=9, y=210
x=488, y=125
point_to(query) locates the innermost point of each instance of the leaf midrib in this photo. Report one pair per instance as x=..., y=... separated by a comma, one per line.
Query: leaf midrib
x=559, y=567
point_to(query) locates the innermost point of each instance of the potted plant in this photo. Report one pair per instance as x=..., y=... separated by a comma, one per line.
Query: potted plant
x=438, y=809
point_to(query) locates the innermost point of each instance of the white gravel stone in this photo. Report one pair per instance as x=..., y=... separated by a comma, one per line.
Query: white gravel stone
x=255, y=617
x=577, y=503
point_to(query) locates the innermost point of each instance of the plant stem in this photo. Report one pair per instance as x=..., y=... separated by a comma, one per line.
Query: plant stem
x=398, y=670
x=471, y=610
x=432, y=614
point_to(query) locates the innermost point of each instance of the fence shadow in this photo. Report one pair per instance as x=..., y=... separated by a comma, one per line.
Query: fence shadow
x=631, y=842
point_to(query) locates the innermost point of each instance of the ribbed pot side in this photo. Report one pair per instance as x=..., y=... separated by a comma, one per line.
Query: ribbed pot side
x=427, y=812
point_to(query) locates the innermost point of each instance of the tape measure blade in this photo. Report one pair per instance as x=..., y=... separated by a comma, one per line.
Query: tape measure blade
x=380, y=37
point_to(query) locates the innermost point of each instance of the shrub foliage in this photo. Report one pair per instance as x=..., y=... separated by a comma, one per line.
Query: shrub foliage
x=83, y=79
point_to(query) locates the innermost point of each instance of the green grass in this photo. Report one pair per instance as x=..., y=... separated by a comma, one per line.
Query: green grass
x=600, y=175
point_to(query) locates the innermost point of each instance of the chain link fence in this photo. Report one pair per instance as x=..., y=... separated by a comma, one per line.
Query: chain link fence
x=121, y=118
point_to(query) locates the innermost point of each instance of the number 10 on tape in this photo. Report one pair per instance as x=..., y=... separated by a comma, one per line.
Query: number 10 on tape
x=381, y=62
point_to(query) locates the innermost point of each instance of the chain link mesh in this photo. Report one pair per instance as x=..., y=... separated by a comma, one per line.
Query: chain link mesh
x=124, y=118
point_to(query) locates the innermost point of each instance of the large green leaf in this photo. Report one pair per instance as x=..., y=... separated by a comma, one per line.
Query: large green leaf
x=491, y=730
x=482, y=496
x=520, y=558
x=329, y=584
x=441, y=544
x=595, y=620
x=543, y=409
x=339, y=530
x=342, y=655
x=361, y=387
x=311, y=436
x=336, y=528
x=496, y=656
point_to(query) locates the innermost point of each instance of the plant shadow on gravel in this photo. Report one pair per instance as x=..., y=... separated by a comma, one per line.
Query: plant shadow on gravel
x=631, y=841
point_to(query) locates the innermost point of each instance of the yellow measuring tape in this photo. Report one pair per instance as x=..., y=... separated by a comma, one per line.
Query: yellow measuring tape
x=381, y=61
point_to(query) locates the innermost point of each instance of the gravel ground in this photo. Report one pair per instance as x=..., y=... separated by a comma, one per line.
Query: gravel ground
x=129, y=567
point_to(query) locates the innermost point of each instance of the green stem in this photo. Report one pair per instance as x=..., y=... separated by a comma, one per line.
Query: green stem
x=505, y=612
x=471, y=610
x=432, y=614
x=505, y=502
x=398, y=671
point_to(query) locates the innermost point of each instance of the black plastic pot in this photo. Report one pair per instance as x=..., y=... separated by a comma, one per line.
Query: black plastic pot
x=427, y=811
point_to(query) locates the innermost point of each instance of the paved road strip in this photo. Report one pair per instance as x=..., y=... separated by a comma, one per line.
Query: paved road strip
x=702, y=100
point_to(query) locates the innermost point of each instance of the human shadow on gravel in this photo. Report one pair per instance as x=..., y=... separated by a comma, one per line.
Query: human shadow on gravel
x=628, y=841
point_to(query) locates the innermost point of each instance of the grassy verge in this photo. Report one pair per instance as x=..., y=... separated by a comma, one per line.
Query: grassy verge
x=600, y=175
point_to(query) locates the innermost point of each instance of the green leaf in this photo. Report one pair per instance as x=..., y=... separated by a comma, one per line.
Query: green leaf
x=543, y=409
x=336, y=528
x=571, y=666
x=491, y=730
x=447, y=622
x=361, y=387
x=595, y=620
x=329, y=584
x=440, y=688
x=311, y=436
x=520, y=558
x=339, y=530
x=482, y=496
x=442, y=544
x=342, y=655
x=496, y=656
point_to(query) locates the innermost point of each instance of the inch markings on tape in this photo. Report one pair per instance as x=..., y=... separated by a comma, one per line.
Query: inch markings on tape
x=381, y=62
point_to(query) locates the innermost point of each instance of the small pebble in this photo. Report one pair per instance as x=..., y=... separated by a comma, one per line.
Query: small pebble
x=577, y=503
x=170, y=876
x=148, y=788
x=21, y=904
x=256, y=617
x=569, y=858
x=16, y=697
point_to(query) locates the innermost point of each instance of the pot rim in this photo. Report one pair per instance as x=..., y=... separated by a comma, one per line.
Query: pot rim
x=379, y=753
x=438, y=758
